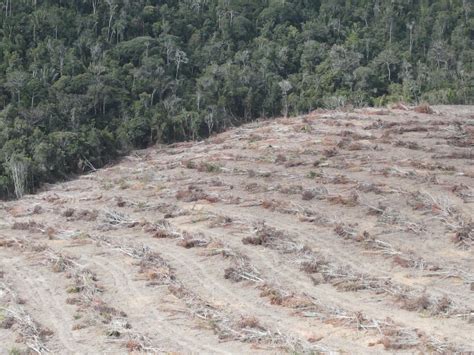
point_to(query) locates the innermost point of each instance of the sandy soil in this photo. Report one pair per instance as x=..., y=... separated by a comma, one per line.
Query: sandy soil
x=342, y=232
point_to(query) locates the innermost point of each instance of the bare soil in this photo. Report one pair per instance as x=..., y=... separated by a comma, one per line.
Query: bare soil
x=335, y=231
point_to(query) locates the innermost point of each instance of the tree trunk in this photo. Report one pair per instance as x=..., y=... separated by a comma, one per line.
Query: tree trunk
x=18, y=170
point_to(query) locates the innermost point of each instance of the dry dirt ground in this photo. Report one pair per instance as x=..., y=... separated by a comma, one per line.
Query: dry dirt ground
x=342, y=232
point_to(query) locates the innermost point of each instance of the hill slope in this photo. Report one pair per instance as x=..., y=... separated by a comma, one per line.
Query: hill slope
x=84, y=82
x=332, y=231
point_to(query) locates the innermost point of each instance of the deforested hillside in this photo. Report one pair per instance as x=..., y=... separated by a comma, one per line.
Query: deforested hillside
x=82, y=82
x=334, y=231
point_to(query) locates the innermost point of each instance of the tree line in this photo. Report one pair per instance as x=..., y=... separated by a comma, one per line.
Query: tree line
x=84, y=81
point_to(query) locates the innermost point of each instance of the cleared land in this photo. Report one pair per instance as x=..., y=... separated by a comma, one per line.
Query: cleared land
x=335, y=231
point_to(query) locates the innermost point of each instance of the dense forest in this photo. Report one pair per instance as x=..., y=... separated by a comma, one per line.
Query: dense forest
x=84, y=81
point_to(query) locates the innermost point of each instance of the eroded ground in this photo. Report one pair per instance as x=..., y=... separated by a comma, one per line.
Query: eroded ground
x=336, y=231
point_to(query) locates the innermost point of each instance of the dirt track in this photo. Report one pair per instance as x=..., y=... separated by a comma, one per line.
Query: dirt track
x=336, y=231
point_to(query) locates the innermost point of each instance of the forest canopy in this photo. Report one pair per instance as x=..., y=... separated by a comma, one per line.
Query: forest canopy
x=84, y=81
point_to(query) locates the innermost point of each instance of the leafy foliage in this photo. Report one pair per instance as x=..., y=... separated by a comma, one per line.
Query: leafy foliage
x=81, y=82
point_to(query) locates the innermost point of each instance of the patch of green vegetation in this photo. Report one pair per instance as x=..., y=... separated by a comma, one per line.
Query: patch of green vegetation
x=73, y=289
x=210, y=168
x=84, y=82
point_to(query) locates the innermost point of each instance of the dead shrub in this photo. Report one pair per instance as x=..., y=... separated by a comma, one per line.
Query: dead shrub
x=7, y=322
x=339, y=179
x=53, y=198
x=290, y=190
x=409, y=145
x=253, y=137
x=311, y=266
x=281, y=206
x=429, y=166
x=249, y=322
x=183, y=194
x=252, y=240
x=59, y=263
x=211, y=199
x=31, y=226
x=464, y=192
x=399, y=106
x=7, y=243
x=370, y=187
x=189, y=242
x=68, y=212
x=378, y=112
x=419, y=303
x=269, y=205
x=243, y=272
x=344, y=143
x=133, y=345
x=308, y=195
x=328, y=153
x=154, y=268
x=280, y=159
x=264, y=237
x=254, y=187
x=317, y=279
x=345, y=231
x=87, y=215
x=356, y=146
x=80, y=215
x=464, y=234
x=394, y=343
x=350, y=201
x=105, y=311
x=208, y=167
x=120, y=201
x=162, y=234
x=402, y=261
x=193, y=194
x=356, y=136
x=294, y=163
x=464, y=154
x=423, y=108
x=221, y=221
x=217, y=140
x=280, y=297
x=462, y=142
x=272, y=293
x=364, y=237
x=189, y=164
x=442, y=305
x=379, y=124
